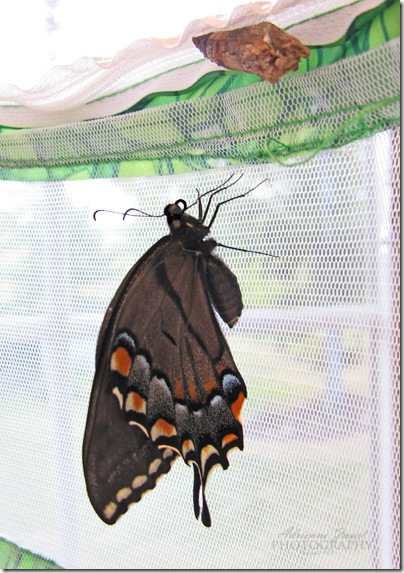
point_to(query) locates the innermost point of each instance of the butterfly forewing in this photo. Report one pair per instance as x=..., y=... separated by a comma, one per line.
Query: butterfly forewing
x=121, y=463
x=165, y=382
x=120, y=295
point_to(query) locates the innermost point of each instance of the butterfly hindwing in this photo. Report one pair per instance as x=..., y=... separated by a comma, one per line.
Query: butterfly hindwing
x=166, y=383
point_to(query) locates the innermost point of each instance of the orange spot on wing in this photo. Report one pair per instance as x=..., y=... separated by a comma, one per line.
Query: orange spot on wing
x=210, y=385
x=178, y=390
x=135, y=402
x=237, y=405
x=192, y=391
x=187, y=446
x=121, y=361
x=162, y=427
x=229, y=438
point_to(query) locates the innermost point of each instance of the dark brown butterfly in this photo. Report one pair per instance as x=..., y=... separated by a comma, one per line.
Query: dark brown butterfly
x=166, y=383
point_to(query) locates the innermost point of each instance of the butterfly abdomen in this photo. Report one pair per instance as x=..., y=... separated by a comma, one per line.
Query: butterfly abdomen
x=224, y=290
x=222, y=284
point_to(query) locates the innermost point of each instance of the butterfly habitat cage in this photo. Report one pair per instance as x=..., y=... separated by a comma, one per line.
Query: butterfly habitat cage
x=316, y=158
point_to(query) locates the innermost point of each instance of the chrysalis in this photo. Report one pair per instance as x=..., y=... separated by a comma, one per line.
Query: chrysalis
x=262, y=49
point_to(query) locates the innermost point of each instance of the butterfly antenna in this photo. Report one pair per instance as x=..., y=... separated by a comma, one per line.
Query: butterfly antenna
x=142, y=214
x=126, y=214
x=104, y=211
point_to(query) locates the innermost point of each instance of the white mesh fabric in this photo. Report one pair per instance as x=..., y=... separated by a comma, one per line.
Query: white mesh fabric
x=303, y=112
x=87, y=89
x=317, y=344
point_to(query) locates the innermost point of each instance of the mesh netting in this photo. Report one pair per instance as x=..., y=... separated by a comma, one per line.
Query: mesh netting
x=317, y=344
x=154, y=72
x=302, y=114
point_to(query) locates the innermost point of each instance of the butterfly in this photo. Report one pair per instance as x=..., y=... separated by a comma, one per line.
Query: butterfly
x=166, y=384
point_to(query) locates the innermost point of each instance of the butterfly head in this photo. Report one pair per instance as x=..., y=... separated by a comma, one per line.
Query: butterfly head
x=184, y=226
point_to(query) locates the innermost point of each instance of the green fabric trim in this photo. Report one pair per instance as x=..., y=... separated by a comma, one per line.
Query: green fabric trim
x=369, y=30
x=13, y=557
x=289, y=122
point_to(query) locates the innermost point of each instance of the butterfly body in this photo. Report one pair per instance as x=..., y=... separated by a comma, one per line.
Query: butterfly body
x=166, y=384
